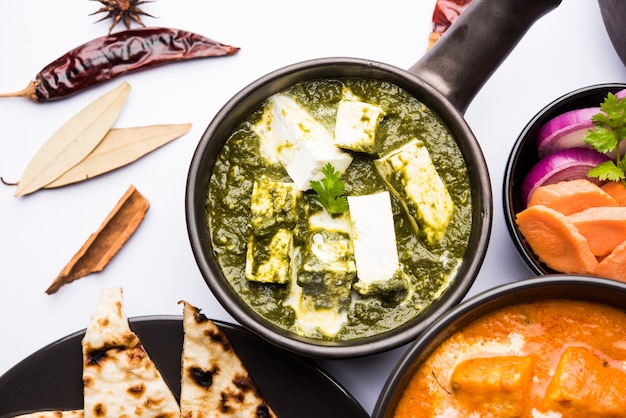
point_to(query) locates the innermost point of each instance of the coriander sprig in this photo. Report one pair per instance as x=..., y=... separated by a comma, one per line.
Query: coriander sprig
x=329, y=191
x=606, y=136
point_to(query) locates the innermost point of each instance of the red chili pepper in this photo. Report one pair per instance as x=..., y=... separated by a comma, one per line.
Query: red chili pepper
x=106, y=57
x=446, y=12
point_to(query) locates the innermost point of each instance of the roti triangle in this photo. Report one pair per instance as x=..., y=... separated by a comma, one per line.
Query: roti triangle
x=214, y=380
x=119, y=378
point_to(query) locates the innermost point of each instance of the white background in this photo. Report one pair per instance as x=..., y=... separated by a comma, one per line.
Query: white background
x=565, y=50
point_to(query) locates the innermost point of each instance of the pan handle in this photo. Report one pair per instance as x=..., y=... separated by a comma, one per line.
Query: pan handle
x=478, y=41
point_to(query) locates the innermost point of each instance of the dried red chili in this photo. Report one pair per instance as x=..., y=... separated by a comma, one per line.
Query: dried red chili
x=445, y=13
x=106, y=57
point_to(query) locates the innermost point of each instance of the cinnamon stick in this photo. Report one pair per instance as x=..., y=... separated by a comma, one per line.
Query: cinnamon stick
x=102, y=245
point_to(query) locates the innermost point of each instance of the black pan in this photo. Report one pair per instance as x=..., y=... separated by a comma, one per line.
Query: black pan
x=446, y=79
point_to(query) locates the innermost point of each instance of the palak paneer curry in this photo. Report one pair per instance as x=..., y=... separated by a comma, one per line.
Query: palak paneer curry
x=346, y=274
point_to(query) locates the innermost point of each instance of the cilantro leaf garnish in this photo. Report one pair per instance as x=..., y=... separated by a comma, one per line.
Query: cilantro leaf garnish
x=608, y=132
x=607, y=170
x=329, y=191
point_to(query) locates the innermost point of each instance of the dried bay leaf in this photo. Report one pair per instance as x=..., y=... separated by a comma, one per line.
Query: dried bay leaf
x=121, y=146
x=105, y=243
x=73, y=141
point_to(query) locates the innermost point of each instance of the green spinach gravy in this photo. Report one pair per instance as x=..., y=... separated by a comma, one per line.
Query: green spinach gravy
x=429, y=268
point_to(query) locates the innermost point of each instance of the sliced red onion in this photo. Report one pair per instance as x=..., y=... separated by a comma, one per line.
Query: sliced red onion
x=563, y=165
x=568, y=130
x=565, y=131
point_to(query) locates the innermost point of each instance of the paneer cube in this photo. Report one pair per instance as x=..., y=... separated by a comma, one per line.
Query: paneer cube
x=356, y=125
x=310, y=158
x=268, y=258
x=311, y=319
x=320, y=292
x=327, y=267
x=587, y=385
x=412, y=177
x=273, y=205
x=374, y=236
x=293, y=138
x=274, y=214
x=375, y=252
x=496, y=386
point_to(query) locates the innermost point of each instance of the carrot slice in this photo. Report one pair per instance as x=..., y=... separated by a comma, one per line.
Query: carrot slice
x=613, y=266
x=556, y=241
x=617, y=191
x=571, y=196
x=603, y=227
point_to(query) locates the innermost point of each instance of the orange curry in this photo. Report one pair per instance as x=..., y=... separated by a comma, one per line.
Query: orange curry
x=555, y=358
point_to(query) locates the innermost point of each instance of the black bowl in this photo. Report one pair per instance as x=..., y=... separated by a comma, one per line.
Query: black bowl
x=524, y=156
x=246, y=101
x=583, y=288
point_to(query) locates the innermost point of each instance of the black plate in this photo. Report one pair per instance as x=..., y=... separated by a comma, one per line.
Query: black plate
x=51, y=378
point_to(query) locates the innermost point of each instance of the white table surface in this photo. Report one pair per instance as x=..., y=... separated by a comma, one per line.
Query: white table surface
x=566, y=49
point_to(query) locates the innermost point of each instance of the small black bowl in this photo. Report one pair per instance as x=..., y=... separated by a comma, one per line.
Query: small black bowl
x=571, y=287
x=523, y=158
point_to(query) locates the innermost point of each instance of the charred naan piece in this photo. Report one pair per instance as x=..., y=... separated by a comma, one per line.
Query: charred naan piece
x=119, y=377
x=214, y=380
x=54, y=413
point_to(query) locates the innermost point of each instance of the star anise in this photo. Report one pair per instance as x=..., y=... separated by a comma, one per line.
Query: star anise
x=122, y=11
